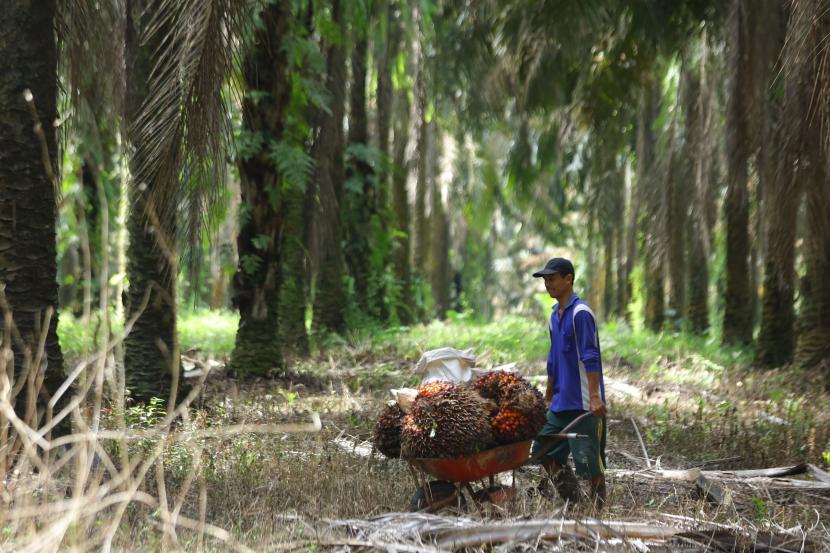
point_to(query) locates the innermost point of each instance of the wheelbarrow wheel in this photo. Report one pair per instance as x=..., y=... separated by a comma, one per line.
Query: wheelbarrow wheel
x=443, y=494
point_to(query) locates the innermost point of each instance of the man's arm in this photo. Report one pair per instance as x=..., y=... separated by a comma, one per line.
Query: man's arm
x=550, y=368
x=589, y=354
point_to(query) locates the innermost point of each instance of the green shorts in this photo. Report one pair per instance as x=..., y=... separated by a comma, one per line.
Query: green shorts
x=588, y=453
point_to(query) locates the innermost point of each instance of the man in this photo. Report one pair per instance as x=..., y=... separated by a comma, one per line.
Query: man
x=575, y=387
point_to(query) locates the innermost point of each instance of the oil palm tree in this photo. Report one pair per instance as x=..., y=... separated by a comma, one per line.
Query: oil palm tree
x=29, y=187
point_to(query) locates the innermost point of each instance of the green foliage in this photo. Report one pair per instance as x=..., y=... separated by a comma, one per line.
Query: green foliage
x=293, y=162
x=211, y=332
x=261, y=241
x=248, y=143
x=761, y=509
x=82, y=338
x=698, y=359
x=250, y=263
x=514, y=338
x=143, y=416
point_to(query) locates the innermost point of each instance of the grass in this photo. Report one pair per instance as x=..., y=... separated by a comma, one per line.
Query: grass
x=211, y=332
x=513, y=338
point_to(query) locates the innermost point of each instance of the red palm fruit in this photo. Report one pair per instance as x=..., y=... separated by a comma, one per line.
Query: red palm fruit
x=449, y=423
x=437, y=387
x=492, y=384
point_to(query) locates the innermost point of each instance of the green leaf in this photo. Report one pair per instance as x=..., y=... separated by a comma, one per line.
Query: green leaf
x=258, y=95
x=261, y=241
x=293, y=163
x=250, y=264
x=244, y=214
x=365, y=153
x=248, y=144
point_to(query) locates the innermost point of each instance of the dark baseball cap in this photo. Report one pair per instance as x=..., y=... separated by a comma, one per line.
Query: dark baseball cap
x=556, y=265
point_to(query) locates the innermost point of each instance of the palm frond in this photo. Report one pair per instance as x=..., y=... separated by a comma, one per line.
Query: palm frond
x=91, y=37
x=182, y=130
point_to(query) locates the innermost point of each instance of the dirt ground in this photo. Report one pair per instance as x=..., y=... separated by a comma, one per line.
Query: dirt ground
x=329, y=489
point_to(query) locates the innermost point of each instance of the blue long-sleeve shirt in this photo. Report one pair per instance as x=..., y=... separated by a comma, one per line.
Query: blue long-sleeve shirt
x=574, y=352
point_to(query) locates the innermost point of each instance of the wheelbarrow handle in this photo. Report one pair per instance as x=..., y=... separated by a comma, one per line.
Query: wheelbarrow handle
x=552, y=440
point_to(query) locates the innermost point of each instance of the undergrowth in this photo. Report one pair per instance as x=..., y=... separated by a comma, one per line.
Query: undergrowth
x=696, y=404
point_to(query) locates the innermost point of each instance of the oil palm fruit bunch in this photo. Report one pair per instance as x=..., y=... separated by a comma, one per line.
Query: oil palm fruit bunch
x=511, y=426
x=523, y=397
x=432, y=389
x=387, y=436
x=521, y=413
x=492, y=384
x=445, y=421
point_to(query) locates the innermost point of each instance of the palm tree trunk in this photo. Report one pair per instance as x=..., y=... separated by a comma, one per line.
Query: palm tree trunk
x=28, y=61
x=388, y=52
x=813, y=344
x=699, y=107
x=653, y=218
x=737, y=316
x=292, y=303
x=257, y=279
x=676, y=240
x=621, y=306
x=388, y=47
x=151, y=265
x=360, y=194
x=439, y=239
x=608, y=291
x=776, y=339
x=400, y=207
x=420, y=227
x=329, y=305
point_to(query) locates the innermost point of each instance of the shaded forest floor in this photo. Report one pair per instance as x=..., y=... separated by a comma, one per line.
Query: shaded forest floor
x=694, y=404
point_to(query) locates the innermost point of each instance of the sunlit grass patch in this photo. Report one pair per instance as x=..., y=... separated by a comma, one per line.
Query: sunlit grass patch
x=512, y=338
x=80, y=337
x=212, y=332
x=677, y=357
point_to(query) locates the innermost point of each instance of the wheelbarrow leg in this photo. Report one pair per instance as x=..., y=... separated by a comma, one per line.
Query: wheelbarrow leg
x=418, y=484
x=472, y=495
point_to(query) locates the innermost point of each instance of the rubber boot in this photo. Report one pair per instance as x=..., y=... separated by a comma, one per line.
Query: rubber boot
x=566, y=484
x=598, y=492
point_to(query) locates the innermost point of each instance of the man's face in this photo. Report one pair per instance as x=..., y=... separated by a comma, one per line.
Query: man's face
x=557, y=285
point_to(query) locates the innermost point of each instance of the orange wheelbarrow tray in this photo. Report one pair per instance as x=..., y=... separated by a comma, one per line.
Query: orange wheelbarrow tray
x=477, y=466
x=489, y=462
x=461, y=471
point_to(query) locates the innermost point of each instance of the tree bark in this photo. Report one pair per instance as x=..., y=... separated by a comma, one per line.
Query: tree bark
x=401, y=248
x=257, y=279
x=653, y=220
x=677, y=212
x=439, y=239
x=151, y=257
x=420, y=227
x=329, y=306
x=813, y=344
x=28, y=262
x=608, y=291
x=292, y=295
x=737, y=316
x=360, y=190
x=776, y=339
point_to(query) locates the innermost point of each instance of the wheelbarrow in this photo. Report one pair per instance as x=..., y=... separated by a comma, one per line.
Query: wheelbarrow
x=457, y=475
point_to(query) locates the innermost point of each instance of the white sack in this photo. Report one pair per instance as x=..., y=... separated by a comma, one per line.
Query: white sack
x=446, y=364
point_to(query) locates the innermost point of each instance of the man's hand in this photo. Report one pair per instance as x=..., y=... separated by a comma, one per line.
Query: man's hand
x=597, y=406
x=549, y=392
